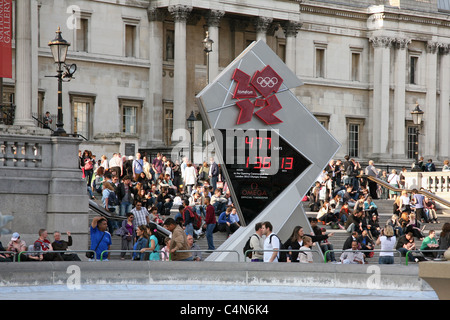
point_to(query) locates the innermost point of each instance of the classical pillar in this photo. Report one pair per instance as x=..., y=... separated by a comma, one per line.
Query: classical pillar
x=290, y=30
x=213, y=21
x=444, y=114
x=24, y=62
x=380, y=108
x=154, y=112
x=180, y=15
x=262, y=24
x=430, y=108
x=398, y=129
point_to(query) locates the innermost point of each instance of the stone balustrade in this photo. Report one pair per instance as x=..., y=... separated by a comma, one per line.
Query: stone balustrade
x=437, y=182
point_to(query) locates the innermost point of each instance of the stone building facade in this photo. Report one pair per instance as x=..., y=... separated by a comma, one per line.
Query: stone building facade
x=365, y=65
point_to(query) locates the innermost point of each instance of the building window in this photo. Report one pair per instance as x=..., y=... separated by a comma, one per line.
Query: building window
x=129, y=119
x=80, y=118
x=82, y=107
x=356, y=66
x=319, y=58
x=281, y=48
x=412, y=142
x=130, y=41
x=354, y=136
x=414, y=70
x=130, y=112
x=82, y=32
x=169, y=45
x=168, y=123
x=324, y=120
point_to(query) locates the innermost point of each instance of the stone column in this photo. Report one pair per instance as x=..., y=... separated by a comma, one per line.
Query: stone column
x=262, y=24
x=444, y=115
x=290, y=30
x=398, y=129
x=154, y=111
x=213, y=21
x=429, y=142
x=380, y=102
x=180, y=15
x=24, y=62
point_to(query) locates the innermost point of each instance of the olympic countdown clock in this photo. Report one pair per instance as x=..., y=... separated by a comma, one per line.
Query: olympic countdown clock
x=270, y=147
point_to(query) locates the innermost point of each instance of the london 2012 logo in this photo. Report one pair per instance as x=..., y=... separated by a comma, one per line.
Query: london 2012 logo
x=261, y=87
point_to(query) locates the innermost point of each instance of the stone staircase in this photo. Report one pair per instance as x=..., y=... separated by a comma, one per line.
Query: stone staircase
x=385, y=210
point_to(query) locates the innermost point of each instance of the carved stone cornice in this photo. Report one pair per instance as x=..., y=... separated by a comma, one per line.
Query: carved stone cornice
x=262, y=24
x=382, y=41
x=179, y=12
x=401, y=43
x=291, y=27
x=213, y=18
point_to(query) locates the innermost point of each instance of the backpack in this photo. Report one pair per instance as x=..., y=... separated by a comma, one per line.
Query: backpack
x=282, y=255
x=112, y=199
x=247, y=247
x=197, y=223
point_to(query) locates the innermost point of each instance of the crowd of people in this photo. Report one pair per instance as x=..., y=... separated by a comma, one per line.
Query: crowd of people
x=343, y=198
x=145, y=194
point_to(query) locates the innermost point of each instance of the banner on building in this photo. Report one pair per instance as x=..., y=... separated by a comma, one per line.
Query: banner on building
x=5, y=39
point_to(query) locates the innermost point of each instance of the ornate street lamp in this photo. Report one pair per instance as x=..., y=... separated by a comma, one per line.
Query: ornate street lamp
x=207, y=47
x=190, y=124
x=417, y=116
x=59, y=48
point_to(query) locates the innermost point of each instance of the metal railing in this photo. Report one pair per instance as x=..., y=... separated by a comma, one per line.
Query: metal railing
x=54, y=251
x=374, y=251
x=281, y=250
x=13, y=253
x=420, y=251
x=132, y=251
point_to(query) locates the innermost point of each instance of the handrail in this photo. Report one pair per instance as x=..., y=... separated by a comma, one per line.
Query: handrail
x=421, y=251
x=103, y=212
x=41, y=122
x=392, y=188
x=207, y=250
x=280, y=250
x=10, y=252
x=53, y=251
x=374, y=250
x=130, y=251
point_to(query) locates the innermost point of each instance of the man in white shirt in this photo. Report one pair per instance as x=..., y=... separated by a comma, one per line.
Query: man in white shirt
x=115, y=164
x=352, y=256
x=271, y=243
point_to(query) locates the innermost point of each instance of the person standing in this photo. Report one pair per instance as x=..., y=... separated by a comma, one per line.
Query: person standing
x=387, y=240
x=257, y=244
x=371, y=171
x=214, y=173
x=178, y=241
x=271, y=243
x=100, y=237
x=211, y=222
x=137, y=166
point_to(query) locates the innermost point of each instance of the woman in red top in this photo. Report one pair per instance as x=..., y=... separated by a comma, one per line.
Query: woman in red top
x=210, y=221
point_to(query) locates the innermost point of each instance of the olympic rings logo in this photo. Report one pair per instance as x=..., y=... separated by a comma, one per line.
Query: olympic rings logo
x=265, y=82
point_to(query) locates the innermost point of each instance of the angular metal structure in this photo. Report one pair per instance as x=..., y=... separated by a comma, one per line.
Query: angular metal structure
x=270, y=147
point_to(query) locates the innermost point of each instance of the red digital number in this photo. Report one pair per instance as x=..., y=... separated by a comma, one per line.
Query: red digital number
x=287, y=163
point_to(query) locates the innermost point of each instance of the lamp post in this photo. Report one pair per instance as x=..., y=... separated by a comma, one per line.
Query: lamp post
x=207, y=47
x=59, y=48
x=190, y=123
x=417, y=116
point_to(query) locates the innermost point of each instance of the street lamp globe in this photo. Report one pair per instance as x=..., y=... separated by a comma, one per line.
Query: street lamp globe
x=207, y=43
x=191, y=120
x=417, y=115
x=59, y=48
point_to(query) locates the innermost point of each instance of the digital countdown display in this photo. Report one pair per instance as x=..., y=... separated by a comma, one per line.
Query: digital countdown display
x=260, y=167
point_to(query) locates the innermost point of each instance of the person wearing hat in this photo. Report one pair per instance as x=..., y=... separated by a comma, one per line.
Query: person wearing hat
x=17, y=245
